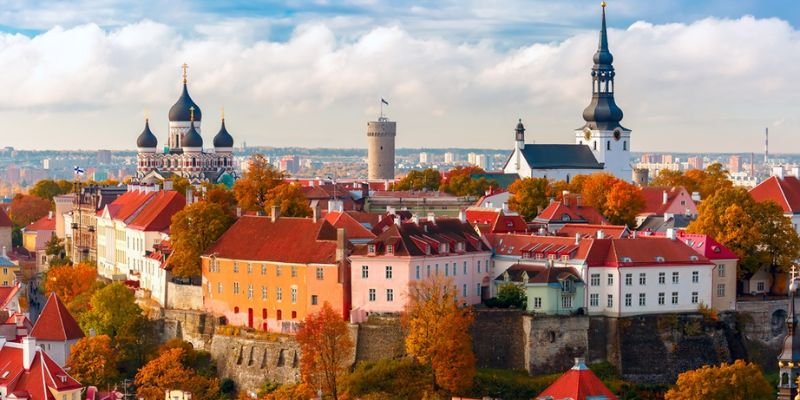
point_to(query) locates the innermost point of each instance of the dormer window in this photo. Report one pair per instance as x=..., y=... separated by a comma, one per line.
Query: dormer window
x=443, y=248
x=389, y=249
x=525, y=277
x=659, y=259
x=427, y=249
x=460, y=246
x=505, y=276
x=371, y=249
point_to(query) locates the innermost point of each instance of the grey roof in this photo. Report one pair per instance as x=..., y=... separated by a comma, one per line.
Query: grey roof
x=223, y=138
x=180, y=110
x=6, y=262
x=502, y=180
x=147, y=139
x=192, y=138
x=560, y=156
x=657, y=223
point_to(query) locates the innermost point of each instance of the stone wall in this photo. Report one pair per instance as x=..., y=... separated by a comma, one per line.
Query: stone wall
x=498, y=339
x=380, y=337
x=553, y=342
x=194, y=327
x=252, y=362
x=184, y=297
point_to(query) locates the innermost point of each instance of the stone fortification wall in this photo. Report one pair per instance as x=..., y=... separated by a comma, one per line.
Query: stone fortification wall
x=553, y=342
x=252, y=362
x=498, y=339
x=380, y=337
x=184, y=297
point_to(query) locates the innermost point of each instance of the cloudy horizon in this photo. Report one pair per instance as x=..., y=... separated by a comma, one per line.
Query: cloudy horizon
x=698, y=78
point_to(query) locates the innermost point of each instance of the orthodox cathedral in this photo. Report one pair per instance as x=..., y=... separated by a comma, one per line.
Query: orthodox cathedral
x=601, y=144
x=183, y=155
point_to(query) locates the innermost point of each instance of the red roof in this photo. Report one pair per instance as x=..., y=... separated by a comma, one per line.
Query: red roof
x=579, y=383
x=353, y=229
x=156, y=214
x=292, y=240
x=5, y=221
x=490, y=220
x=590, y=230
x=642, y=251
x=55, y=323
x=7, y=293
x=706, y=246
x=46, y=223
x=570, y=209
x=36, y=383
x=654, y=198
x=784, y=192
x=531, y=246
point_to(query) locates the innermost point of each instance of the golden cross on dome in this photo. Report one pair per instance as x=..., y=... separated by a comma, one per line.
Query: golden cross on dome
x=185, y=67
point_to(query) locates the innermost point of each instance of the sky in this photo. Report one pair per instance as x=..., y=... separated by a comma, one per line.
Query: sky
x=694, y=76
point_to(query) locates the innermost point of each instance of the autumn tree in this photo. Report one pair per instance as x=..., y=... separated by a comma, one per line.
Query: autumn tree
x=25, y=209
x=192, y=230
x=259, y=178
x=289, y=199
x=219, y=194
x=69, y=282
x=529, y=196
x=427, y=179
x=180, y=184
x=706, y=182
x=93, y=361
x=437, y=333
x=595, y=189
x=623, y=203
x=738, y=381
x=169, y=371
x=325, y=348
x=48, y=188
x=459, y=182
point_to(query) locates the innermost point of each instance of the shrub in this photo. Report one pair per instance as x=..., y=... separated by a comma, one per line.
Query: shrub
x=512, y=295
x=389, y=379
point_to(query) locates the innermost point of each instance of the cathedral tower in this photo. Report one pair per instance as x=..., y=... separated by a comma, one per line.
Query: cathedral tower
x=380, y=148
x=609, y=141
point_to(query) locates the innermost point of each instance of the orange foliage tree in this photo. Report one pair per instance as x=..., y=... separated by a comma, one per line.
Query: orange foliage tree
x=260, y=177
x=738, y=381
x=169, y=371
x=192, y=230
x=69, y=282
x=25, y=209
x=326, y=349
x=438, y=333
x=529, y=196
x=93, y=361
x=624, y=203
x=289, y=199
x=595, y=189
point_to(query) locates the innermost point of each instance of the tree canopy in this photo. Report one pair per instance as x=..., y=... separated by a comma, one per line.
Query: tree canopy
x=706, y=182
x=738, y=381
x=325, y=348
x=289, y=199
x=192, y=230
x=48, y=188
x=427, y=179
x=93, y=361
x=459, y=182
x=169, y=371
x=623, y=203
x=529, y=196
x=252, y=188
x=25, y=209
x=70, y=282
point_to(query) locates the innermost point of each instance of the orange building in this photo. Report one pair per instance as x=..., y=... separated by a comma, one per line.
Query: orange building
x=269, y=273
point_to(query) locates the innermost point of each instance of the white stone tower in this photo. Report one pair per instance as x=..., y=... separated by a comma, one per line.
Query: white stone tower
x=609, y=141
x=380, y=148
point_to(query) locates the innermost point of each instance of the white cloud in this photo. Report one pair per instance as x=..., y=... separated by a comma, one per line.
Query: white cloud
x=710, y=85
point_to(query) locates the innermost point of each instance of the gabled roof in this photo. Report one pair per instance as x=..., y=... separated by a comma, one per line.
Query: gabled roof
x=706, y=246
x=490, y=220
x=784, y=192
x=46, y=223
x=38, y=382
x=590, y=230
x=531, y=246
x=654, y=198
x=412, y=239
x=156, y=213
x=560, y=156
x=540, y=273
x=55, y=323
x=660, y=223
x=7, y=294
x=291, y=240
x=579, y=383
x=5, y=221
x=353, y=229
x=570, y=210
x=642, y=251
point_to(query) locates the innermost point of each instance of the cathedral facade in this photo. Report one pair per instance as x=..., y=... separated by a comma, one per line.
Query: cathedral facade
x=184, y=155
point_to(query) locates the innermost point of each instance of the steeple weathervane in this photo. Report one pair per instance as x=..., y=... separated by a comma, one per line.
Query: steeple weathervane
x=185, y=67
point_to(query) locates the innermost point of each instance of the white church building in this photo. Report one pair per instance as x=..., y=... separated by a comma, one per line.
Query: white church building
x=601, y=144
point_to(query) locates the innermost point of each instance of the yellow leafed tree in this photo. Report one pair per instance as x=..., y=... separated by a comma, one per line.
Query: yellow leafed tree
x=738, y=381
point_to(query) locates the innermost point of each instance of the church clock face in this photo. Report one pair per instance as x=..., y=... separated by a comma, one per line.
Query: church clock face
x=587, y=134
x=617, y=134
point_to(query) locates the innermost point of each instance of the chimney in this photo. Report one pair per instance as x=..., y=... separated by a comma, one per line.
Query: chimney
x=432, y=218
x=168, y=185
x=664, y=197
x=49, y=215
x=4, y=252
x=577, y=239
x=541, y=232
x=633, y=234
x=601, y=234
x=578, y=201
x=671, y=233
x=364, y=190
x=276, y=213
x=28, y=351
x=396, y=219
x=462, y=216
x=505, y=206
x=580, y=363
x=565, y=199
x=315, y=213
x=341, y=244
x=414, y=219
x=238, y=212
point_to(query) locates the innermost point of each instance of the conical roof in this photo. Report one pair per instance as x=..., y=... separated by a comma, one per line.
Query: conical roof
x=147, y=139
x=223, y=138
x=192, y=138
x=55, y=323
x=180, y=111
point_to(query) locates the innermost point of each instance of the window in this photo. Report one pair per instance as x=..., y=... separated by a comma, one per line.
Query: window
x=662, y=278
x=695, y=277
x=608, y=145
x=760, y=286
x=294, y=295
x=624, y=145
x=388, y=272
x=389, y=249
x=537, y=302
x=429, y=270
x=674, y=297
x=436, y=266
x=594, y=299
x=721, y=270
x=263, y=269
x=642, y=299
x=455, y=268
x=320, y=274
x=642, y=278
x=594, y=145
x=314, y=300
x=250, y=291
x=235, y=287
x=364, y=271
x=610, y=279
x=566, y=301
x=694, y=297
x=371, y=248
x=389, y=294
x=465, y=267
x=263, y=293
x=219, y=287
x=418, y=276
x=610, y=301
x=277, y=270
x=628, y=279
x=447, y=269
x=279, y=294
x=464, y=291
x=675, y=277
x=294, y=271
x=479, y=266
x=235, y=266
x=721, y=290
x=249, y=268
x=372, y=295
x=477, y=289
x=595, y=280
x=661, y=298
x=628, y=299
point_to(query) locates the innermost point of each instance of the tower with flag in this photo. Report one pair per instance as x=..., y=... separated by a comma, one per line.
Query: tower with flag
x=380, y=147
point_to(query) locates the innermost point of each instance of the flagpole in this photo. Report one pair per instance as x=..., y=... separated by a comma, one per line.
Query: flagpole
x=381, y=108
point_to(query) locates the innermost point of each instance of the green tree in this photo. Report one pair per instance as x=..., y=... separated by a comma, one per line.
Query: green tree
x=428, y=179
x=512, y=295
x=48, y=188
x=529, y=196
x=289, y=199
x=259, y=178
x=192, y=230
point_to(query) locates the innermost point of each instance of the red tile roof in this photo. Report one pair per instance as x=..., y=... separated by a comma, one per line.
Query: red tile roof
x=156, y=213
x=784, y=192
x=291, y=240
x=55, y=323
x=642, y=251
x=410, y=239
x=38, y=382
x=7, y=293
x=491, y=220
x=590, y=230
x=353, y=229
x=531, y=246
x=570, y=209
x=5, y=221
x=579, y=383
x=46, y=223
x=654, y=198
x=706, y=246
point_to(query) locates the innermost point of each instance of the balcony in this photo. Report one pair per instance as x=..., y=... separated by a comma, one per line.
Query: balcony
x=74, y=225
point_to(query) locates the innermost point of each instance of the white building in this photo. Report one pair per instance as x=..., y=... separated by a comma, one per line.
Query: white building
x=424, y=158
x=449, y=158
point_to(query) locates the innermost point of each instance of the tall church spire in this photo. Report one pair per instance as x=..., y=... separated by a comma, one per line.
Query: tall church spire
x=603, y=112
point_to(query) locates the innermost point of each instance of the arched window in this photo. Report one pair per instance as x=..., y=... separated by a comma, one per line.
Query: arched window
x=595, y=145
x=784, y=379
x=608, y=145
x=624, y=145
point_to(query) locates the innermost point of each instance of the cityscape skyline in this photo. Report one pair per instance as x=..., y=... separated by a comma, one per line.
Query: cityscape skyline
x=685, y=83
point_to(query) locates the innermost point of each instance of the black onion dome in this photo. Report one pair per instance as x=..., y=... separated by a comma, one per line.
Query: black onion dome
x=223, y=138
x=520, y=127
x=147, y=139
x=192, y=138
x=180, y=111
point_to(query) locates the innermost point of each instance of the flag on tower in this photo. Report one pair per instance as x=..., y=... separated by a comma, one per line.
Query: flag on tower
x=78, y=170
x=384, y=101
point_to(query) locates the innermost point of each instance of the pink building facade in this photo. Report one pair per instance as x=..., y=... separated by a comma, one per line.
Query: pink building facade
x=382, y=270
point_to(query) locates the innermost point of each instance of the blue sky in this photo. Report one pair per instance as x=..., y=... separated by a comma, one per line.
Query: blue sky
x=692, y=75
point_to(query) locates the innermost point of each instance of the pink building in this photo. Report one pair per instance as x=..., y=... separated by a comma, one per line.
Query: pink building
x=403, y=252
x=667, y=200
